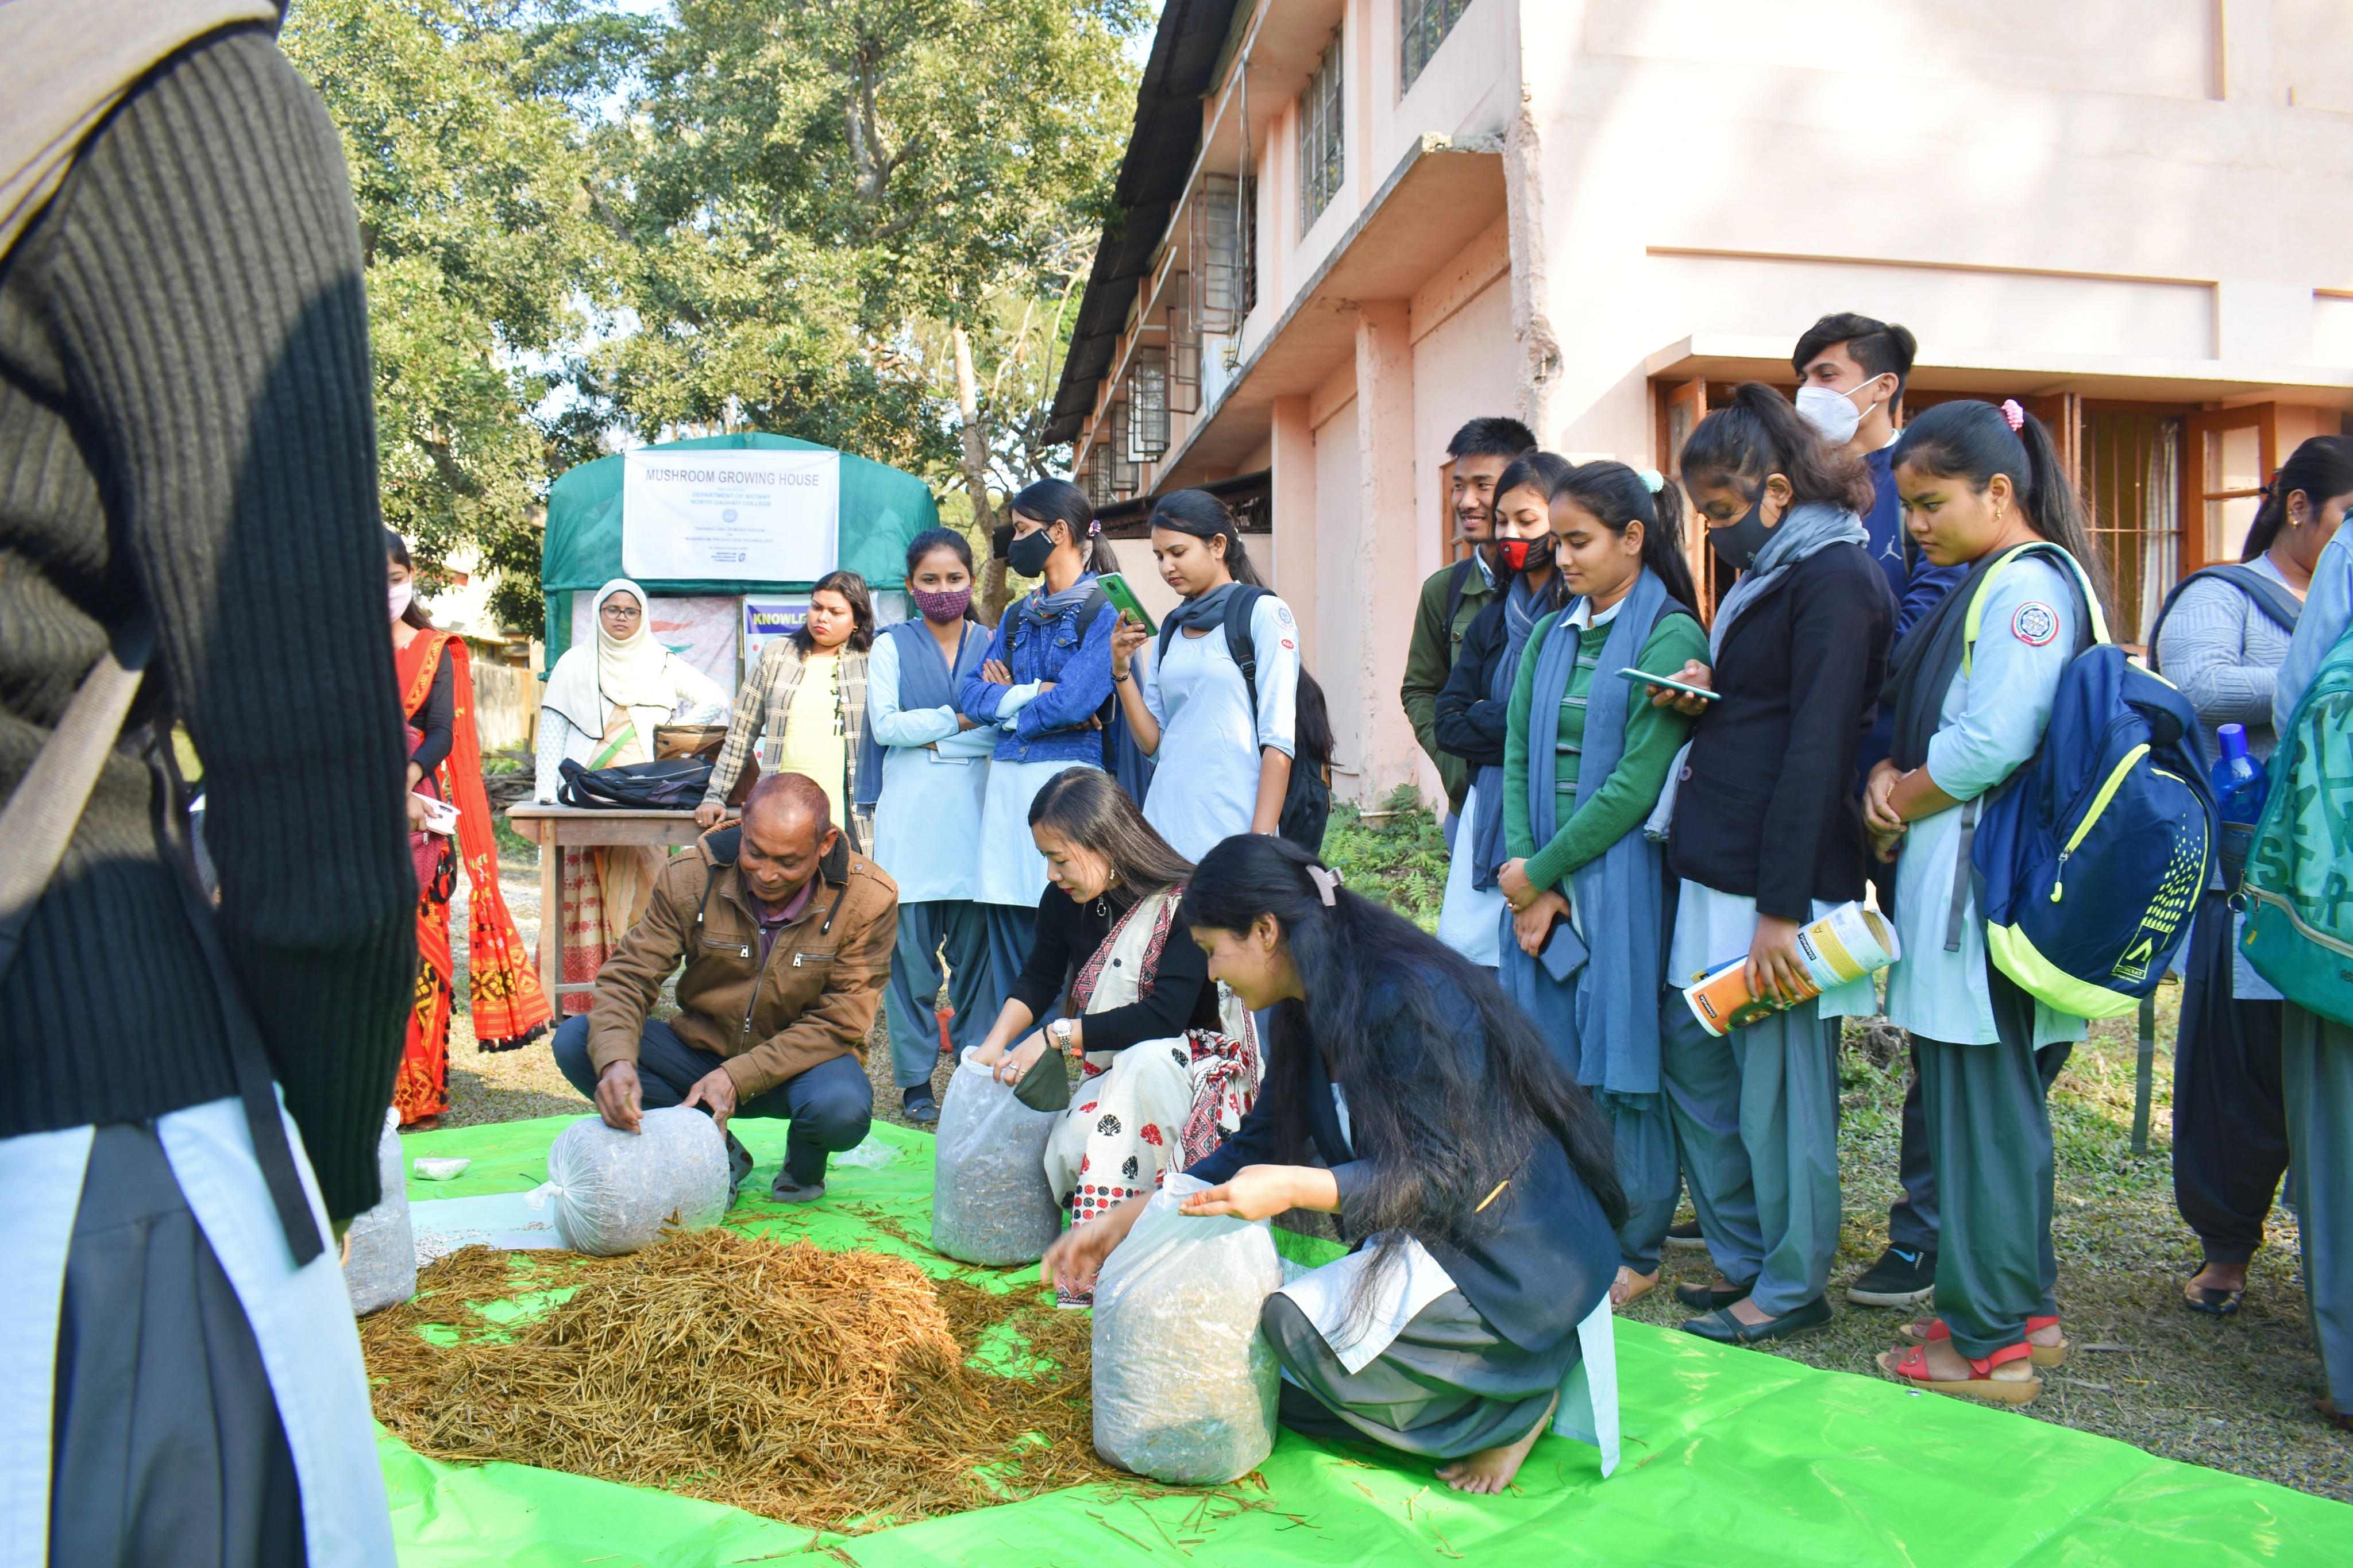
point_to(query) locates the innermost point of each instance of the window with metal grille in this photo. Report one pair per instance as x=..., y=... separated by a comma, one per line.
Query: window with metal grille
x=1322, y=158
x=1096, y=477
x=1184, y=348
x=1426, y=23
x=1224, y=234
x=1148, y=405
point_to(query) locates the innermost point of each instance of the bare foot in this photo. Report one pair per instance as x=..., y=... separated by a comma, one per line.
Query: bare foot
x=2050, y=1336
x=1490, y=1471
x=2220, y=1277
x=1630, y=1286
x=1947, y=1364
x=1749, y=1313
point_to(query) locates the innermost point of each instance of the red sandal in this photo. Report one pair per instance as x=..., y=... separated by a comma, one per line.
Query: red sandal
x=1931, y=1329
x=2005, y=1377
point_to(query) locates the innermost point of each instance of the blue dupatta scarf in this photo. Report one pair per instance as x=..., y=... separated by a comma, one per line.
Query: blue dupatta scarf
x=1520, y=619
x=1603, y=1023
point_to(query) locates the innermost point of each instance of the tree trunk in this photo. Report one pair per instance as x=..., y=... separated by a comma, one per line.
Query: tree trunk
x=975, y=475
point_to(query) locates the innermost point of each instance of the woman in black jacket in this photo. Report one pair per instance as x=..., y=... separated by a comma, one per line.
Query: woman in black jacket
x=1473, y=708
x=1767, y=835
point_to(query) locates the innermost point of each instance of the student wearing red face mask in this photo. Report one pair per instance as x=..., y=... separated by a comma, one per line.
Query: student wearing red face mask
x=1472, y=711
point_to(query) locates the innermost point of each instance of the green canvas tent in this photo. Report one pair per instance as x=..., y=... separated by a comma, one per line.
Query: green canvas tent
x=881, y=510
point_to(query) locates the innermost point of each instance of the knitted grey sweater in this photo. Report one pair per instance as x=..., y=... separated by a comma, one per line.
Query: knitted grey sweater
x=185, y=421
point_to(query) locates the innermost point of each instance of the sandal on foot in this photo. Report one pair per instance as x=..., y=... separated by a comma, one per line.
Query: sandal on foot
x=1927, y=1329
x=1635, y=1287
x=2212, y=1302
x=2005, y=1377
x=2340, y=1419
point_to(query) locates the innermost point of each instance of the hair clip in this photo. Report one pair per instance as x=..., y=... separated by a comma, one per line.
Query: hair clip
x=1328, y=883
x=2014, y=413
x=1652, y=480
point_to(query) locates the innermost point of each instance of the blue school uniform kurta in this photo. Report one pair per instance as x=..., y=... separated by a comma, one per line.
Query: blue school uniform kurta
x=1992, y=720
x=927, y=823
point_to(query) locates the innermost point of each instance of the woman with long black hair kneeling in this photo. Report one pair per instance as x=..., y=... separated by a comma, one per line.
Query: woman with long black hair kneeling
x=1473, y=1175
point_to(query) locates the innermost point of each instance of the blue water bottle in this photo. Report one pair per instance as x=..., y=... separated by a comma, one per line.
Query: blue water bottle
x=2239, y=787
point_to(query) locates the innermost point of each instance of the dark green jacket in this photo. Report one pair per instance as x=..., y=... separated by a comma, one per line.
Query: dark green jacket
x=1429, y=659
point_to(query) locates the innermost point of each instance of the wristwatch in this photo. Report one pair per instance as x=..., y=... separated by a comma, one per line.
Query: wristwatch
x=1059, y=1031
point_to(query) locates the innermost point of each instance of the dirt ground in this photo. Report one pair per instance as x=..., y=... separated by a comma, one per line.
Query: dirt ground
x=2234, y=1394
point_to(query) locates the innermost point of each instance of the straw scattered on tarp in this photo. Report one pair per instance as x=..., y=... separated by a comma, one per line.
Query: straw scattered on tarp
x=828, y=1389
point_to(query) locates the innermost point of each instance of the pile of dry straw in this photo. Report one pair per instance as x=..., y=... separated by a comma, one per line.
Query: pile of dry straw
x=826, y=1388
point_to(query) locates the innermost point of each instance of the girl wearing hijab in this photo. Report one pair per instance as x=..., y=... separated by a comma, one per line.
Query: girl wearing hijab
x=1407, y=1096
x=1585, y=759
x=1766, y=836
x=505, y=1002
x=1189, y=709
x=1045, y=687
x=1473, y=707
x=805, y=707
x=934, y=770
x=602, y=703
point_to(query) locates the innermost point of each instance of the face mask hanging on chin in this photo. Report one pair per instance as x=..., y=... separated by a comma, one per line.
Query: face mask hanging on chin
x=1737, y=544
x=1028, y=555
x=1831, y=412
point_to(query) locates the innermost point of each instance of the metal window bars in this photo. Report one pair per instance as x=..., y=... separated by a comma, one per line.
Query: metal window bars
x=1184, y=348
x=1148, y=405
x=1424, y=24
x=1323, y=160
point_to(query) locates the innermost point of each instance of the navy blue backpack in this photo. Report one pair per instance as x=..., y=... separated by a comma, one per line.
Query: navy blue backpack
x=2091, y=858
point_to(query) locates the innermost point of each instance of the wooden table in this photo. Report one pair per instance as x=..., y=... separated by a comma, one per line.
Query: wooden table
x=555, y=828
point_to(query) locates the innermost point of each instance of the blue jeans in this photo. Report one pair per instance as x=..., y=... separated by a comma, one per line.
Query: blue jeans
x=830, y=1106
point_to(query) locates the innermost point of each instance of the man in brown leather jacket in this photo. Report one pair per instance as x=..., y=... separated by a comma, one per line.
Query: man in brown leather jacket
x=786, y=937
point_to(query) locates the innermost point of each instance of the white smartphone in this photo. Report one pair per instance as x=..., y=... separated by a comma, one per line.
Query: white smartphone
x=440, y=816
x=1644, y=678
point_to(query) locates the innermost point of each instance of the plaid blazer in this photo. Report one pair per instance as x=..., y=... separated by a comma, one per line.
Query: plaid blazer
x=765, y=702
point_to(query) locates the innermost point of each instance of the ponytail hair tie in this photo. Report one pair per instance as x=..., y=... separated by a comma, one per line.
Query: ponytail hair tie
x=1652, y=480
x=1327, y=884
x=2014, y=413
x=1095, y=525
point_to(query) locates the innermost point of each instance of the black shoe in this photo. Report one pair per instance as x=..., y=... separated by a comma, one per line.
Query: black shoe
x=1686, y=1236
x=785, y=1190
x=1726, y=1330
x=739, y=1167
x=917, y=1106
x=1704, y=1298
x=1900, y=1278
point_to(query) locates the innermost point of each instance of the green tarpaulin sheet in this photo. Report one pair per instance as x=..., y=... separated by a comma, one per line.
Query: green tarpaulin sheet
x=1732, y=1457
x=881, y=510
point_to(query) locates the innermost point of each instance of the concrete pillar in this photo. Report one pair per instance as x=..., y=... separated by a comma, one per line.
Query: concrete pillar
x=1381, y=617
x=1291, y=569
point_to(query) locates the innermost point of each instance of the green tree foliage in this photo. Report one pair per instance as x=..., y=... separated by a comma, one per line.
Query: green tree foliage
x=749, y=214
x=473, y=176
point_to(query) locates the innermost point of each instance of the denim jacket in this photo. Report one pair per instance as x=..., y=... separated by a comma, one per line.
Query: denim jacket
x=1053, y=727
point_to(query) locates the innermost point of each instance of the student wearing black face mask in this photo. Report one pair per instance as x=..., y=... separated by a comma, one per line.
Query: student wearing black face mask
x=1768, y=834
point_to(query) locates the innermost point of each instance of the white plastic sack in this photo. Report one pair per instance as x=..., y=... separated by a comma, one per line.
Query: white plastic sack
x=615, y=1191
x=1185, y=1383
x=991, y=1203
x=380, y=1268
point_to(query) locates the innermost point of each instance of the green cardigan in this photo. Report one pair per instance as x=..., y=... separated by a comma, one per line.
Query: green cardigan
x=1653, y=736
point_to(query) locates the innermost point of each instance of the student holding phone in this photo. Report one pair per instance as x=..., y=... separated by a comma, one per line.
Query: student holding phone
x=1584, y=758
x=1222, y=755
x=1768, y=834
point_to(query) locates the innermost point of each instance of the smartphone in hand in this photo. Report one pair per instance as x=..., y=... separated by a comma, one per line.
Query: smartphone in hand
x=1123, y=599
x=1644, y=678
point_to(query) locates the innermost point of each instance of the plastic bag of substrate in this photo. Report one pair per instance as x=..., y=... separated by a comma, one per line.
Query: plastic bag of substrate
x=380, y=1262
x=615, y=1191
x=991, y=1202
x=1185, y=1383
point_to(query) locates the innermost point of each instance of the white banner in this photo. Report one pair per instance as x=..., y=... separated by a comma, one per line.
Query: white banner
x=756, y=516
